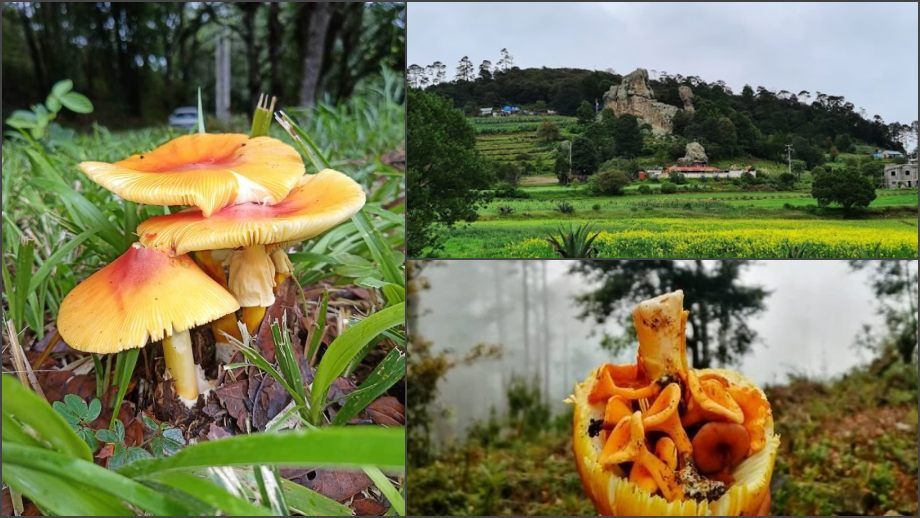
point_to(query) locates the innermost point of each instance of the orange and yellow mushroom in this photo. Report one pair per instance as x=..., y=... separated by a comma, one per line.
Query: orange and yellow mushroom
x=146, y=296
x=257, y=233
x=660, y=438
x=205, y=170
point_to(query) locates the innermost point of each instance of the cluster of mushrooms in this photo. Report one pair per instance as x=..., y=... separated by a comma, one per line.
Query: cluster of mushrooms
x=659, y=438
x=249, y=200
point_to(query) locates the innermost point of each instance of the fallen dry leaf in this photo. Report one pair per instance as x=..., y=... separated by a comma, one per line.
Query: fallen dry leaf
x=387, y=411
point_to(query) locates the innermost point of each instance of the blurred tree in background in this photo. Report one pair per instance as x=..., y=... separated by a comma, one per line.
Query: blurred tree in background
x=138, y=61
x=720, y=303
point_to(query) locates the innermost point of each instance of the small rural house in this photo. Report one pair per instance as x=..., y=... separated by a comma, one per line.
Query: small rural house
x=485, y=112
x=901, y=176
x=887, y=153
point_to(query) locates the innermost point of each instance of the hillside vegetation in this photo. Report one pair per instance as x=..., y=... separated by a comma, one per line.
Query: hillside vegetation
x=849, y=446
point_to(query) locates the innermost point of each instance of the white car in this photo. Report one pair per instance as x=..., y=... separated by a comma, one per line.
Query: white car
x=185, y=117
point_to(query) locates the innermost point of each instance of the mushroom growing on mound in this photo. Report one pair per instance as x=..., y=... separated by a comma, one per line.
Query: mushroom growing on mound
x=145, y=296
x=659, y=438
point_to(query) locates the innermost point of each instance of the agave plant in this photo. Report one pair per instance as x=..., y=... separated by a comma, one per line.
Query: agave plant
x=577, y=241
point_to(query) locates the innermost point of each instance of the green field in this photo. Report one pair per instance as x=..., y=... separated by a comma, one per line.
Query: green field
x=692, y=224
x=514, y=139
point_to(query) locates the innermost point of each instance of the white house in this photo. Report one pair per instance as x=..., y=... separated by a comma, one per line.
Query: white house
x=901, y=176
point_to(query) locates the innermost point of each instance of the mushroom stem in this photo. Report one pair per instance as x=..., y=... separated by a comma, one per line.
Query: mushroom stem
x=252, y=316
x=252, y=282
x=225, y=325
x=177, y=350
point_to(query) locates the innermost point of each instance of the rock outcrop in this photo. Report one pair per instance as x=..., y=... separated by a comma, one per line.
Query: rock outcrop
x=693, y=154
x=634, y=96
x=686, y=96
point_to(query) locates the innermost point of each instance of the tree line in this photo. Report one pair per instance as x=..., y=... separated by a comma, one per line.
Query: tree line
x=138, y=61
x=755, y=122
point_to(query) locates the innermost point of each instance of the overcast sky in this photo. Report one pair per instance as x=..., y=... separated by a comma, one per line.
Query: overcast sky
x=866, y=52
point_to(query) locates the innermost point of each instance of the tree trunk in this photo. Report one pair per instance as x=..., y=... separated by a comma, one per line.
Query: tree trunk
x=546, y=338
x=37, y=64
x=526, y=306
x=252, y=51
x=274, y=43
x=313, y=50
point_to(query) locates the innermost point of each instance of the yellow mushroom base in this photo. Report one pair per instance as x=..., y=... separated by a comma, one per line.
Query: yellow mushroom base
x=613, y=494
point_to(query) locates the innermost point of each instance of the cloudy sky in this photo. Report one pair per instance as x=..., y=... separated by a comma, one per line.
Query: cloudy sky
x=866, y=52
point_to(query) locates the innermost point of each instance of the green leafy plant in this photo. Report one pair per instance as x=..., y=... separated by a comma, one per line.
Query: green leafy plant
x=574, y=242
x=121, y=454
x=38, y=119
x=50, y=464
x=79, y=415
x=166, y=439
x=565, y=207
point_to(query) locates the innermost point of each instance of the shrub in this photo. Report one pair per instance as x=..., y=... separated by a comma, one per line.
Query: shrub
x=505, y=210
x=565, y=207
x=645, y=189
x=574, y=242
x=609, y=183
x=668, y=188
x=596, y=207
x=678, y=178
x=506, y=190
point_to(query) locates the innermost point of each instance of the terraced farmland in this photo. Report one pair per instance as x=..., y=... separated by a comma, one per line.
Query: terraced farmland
x=514, y=139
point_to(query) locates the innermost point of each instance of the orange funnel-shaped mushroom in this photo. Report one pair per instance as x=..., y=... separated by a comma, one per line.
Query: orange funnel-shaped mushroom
x=710, y=399
x=621, y=381
x=661, y=325
x=712, y=429
x=205, y=170
x=145, y=296
x=662, y=416
x=316, y=204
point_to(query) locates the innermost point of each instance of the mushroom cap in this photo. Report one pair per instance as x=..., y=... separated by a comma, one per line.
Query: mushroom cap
x=140, y=297
x=316, y=204
x=205, y=170
x=720, y=446
x=613, y=494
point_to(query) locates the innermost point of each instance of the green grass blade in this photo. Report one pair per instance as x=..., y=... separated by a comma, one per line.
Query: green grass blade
x=310, y=503
x=380, y=251
x=345, y=347
x=386, y=487
x=57, y=257
x=319, y=328
x=200, y=113
x=265, y=366
x=306, y=143
x=124, y=368
x=208, y=492
x=30, y=409
x=21, y=279
x=352, y=446
x=14, y=432
x=384, y=376
x=59, y=496
x=89, y=474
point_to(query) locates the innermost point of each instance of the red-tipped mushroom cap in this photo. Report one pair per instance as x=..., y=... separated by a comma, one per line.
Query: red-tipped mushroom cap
x=143, y=296
x=205, y=170
x=318, y=203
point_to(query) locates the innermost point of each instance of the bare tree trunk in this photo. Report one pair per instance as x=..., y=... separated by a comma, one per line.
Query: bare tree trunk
x=252, y=51
x=313, y=50
x=274, y=43
x=546, y=337
x=526, y=306
x=33, y=48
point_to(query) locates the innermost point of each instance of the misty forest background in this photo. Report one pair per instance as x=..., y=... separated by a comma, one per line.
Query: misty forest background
x=139, y=61
x=503, y=446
